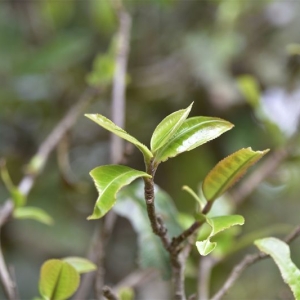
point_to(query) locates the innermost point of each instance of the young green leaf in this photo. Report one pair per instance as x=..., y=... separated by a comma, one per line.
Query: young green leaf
x=58, y=280
x=280, y=252
x=33, y=213
x=81, y=265
x=217, y=224
x=168, y=127
x=200, y=200
x=112, y=127
x=250, y=89
x=18, y=198
x=109, y=180
x=228, y=171
x=192, y=133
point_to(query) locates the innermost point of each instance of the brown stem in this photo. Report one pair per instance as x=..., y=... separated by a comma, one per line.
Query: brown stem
x=109, y=294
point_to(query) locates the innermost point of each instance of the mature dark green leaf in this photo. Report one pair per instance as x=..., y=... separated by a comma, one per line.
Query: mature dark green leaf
x=217, y=224
x=109, y=180
x=192, y=133
x=33, y=213
x=112, y=127
x=131, y=205
x=58, y=280
x=280, y=252
x=81, y=265
x=168, y=127
x=228, y=171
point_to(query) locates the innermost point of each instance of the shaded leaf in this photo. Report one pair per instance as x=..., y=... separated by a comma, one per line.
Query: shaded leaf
x=109, y=180
x=280, y=252
x=112, y=127
x=191, y=134
x=81, y=265
x=131, y=205
x=58, y=280
x=217, y=224
x=228, y=171
x=33, y=213
x=168, y=127
x=250, y=89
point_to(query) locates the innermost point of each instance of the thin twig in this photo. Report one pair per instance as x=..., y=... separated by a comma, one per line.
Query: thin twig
x=109, y=294
x=247, y=261
x=28, y=180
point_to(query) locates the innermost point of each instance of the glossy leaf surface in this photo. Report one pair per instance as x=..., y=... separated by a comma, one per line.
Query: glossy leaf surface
x=280, y=252
x=131, y=205
x=217, y=224
x=192, y=133
x=112, y=127
x=81, y=265
x=33, y=213
x=228, y=171
x=168, y=127
x=58, y=280
x=109, y=180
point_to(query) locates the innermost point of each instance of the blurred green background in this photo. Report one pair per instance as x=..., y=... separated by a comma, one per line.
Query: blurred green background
x=181, y=51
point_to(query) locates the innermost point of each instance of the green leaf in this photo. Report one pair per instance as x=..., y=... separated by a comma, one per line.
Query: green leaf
x=280, y=252
x=199, y=200
x=126, y=293
x=112, y=127
x=192, y=133
x=228, y=171
x=81, y=265
x=33, y=213
x=168, y=127
x=58, y=280
x=250, y=89
x=131, y=205
x=109, y=180
x=217, y=224
x=18, y=198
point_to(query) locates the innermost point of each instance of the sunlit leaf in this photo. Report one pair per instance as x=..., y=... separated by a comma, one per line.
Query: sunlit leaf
x=126, y=293
x=58, y=280
x=250, y=89
x=217, y=224
x=168, y=127
x=33, y=213
x=112, y=127
x=228, y=171
x=192, y=133
x=131, y=205
x=109, y=180
x=280, y=252
x=81, y=265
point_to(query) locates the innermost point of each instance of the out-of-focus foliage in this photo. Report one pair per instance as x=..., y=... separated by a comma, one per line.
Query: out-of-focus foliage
x=193, y=51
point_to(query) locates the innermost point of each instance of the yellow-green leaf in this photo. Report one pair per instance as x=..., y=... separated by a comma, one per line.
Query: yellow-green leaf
x=81, y=265
x=228, y=171
x=112, y=127
x=58, y=280
x=109, y=180
x=168, y=127
x=280, y=252
x=33, y=213
x=250, y=89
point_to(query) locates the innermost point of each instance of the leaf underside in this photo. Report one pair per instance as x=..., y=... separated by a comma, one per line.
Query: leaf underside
x=228, y=171
x=81, y=265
